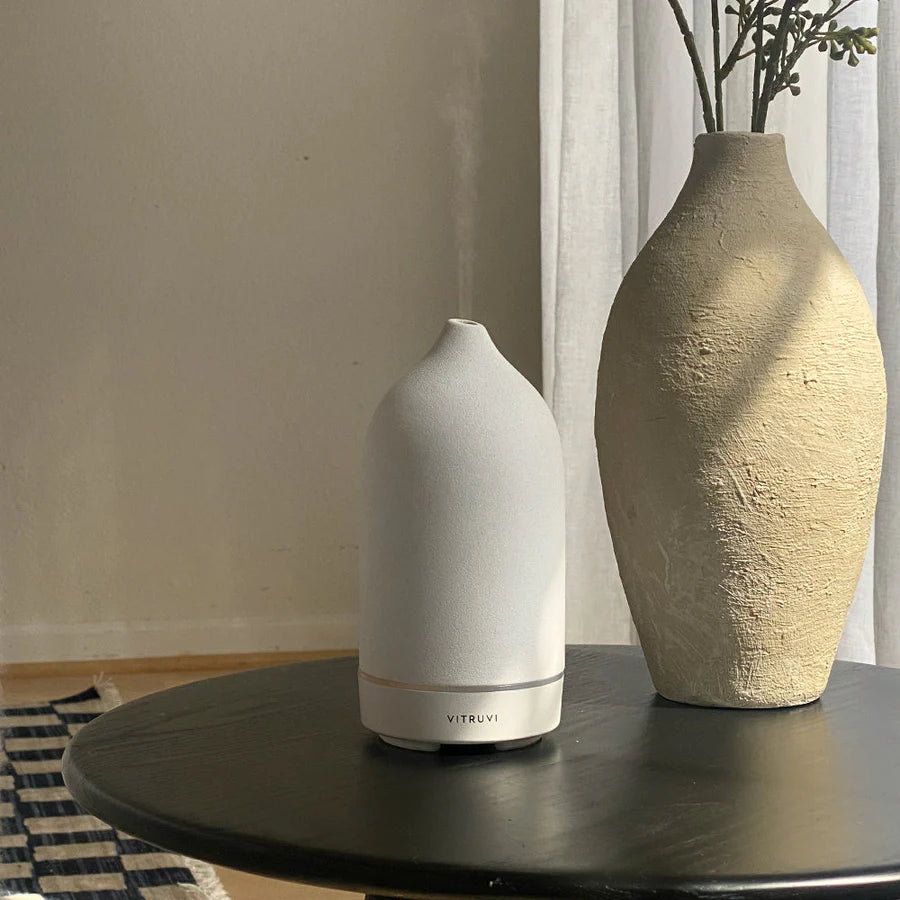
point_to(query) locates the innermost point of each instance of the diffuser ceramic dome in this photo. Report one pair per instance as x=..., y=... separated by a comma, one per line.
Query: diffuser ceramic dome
x=462, y=553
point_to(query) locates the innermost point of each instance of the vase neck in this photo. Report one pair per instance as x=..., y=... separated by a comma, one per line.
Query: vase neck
x=741, y=160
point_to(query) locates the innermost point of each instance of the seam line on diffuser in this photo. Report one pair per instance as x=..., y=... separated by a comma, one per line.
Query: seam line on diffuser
x=459, y=688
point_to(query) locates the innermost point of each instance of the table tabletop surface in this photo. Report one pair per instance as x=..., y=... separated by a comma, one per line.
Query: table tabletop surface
x=632, y=796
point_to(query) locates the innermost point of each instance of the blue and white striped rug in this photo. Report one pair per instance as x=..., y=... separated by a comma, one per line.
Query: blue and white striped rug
x=50, y=848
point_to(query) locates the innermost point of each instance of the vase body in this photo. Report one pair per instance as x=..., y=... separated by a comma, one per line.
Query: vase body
x=740, y=427
x=462, y=600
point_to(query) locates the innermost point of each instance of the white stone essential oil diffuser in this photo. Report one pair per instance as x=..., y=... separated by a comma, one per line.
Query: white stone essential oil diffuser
x=462, y=618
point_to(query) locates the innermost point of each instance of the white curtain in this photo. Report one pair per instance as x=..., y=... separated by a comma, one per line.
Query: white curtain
x=618, y=116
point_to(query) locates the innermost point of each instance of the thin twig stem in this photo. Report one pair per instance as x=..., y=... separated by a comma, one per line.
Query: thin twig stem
x=717, y=66
x=768, y=89
x=837, y=12
x=708, y=119
x=734, y=55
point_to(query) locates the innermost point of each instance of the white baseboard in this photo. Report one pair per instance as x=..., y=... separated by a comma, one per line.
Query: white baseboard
x=183, y=637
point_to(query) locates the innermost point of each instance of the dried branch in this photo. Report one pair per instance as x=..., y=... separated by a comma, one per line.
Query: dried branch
x=782, y=31
x=717, y=66
x=757, y=62
x=768, y=88
x=688, y=36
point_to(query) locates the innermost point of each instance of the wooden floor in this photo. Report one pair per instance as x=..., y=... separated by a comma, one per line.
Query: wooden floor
x=17, y=689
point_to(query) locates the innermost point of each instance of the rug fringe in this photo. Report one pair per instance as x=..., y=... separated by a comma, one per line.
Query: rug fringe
x=109, y=693
x=208, y=886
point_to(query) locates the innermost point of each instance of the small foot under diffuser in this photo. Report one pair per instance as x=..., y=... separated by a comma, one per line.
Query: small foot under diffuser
x=433, y=747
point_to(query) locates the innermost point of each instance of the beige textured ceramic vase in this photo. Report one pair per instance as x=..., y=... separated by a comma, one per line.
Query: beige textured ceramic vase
x=740, y=428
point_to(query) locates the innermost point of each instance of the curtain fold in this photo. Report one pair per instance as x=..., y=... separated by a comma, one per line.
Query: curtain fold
x=619, y=112
x=886, y=612
x=582, y=256
x=853, y=192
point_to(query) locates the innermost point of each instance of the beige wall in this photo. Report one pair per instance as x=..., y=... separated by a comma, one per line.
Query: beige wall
x=225, y=228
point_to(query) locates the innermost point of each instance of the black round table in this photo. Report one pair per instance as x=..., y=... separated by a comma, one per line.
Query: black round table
x=632, y=797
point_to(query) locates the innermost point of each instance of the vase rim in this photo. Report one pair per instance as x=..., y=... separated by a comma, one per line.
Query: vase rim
x=461, y=332
x=768, y=137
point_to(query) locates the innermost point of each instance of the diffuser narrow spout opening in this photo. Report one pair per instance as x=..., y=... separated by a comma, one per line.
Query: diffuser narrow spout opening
x=463, y=335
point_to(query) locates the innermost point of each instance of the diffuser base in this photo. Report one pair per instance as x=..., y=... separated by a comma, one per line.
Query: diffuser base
x=424, y=717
